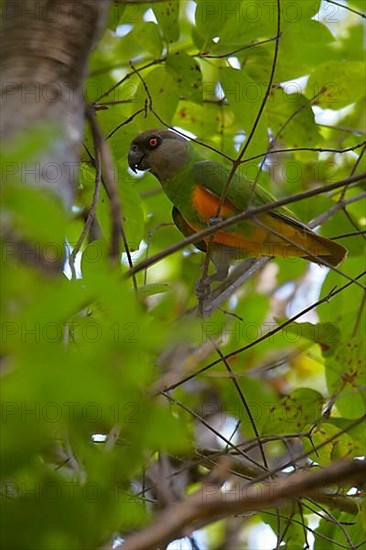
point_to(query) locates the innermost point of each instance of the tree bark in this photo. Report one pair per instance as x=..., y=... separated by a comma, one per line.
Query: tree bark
x=45, y=50
x=44, y=61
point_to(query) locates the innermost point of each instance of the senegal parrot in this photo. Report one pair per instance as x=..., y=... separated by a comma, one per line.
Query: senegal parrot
x=194, y=186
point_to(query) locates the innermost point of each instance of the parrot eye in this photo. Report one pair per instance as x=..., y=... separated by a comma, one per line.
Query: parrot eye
x=153, y=142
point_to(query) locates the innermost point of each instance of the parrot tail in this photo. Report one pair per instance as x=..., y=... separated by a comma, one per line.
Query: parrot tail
x=301, y=239
x=331, y=252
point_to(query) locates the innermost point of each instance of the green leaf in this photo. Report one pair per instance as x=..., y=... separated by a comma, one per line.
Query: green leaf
x=294, y=13
x=292, y=535
x=294, y=412
x=290, y=268
x=167, y=14
x=124, y=130
x=144, y=36
x=154, y=288
x=115, y=14
x=329, y=536
x=94, y=257
x=292, y=120
x=163, y=90
x=244, y=23
x=343, y=308
x=165, y=431
x=188, y=76
x=331, y=444
x=358, y=4
x=344, y=224
x=209, y=18
x=132, y=214
x=337, y=84
x=317, y=38
x=36, y=215
x=245, y=98
x=201, y=120
x=131, y=210
x=356, y=433
x=345, y=375
x=327, y=335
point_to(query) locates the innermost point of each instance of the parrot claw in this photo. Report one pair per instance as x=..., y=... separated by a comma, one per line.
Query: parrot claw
x=214, y=221
x=203, y=289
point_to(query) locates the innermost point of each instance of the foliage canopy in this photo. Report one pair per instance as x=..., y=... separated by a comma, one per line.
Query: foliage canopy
x=280, y=83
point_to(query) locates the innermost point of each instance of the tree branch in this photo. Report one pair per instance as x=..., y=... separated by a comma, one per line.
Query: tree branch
x=212, y=501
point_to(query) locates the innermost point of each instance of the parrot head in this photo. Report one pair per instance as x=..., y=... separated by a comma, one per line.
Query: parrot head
x=163, y=152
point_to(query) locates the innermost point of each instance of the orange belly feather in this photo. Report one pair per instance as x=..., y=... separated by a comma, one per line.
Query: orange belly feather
x=285, y=240
x=205, y=204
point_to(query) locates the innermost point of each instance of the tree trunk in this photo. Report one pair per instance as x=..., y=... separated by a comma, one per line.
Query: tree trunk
x=45, y=50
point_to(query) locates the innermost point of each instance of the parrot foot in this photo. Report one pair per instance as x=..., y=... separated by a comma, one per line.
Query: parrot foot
x=203, y=288
x=214, y=221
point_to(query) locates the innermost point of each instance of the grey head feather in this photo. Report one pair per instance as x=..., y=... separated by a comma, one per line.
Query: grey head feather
x=164, y=160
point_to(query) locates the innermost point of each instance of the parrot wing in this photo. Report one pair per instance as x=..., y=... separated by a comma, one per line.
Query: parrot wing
x=186, y=229
x=213, y=176
x=279, y=227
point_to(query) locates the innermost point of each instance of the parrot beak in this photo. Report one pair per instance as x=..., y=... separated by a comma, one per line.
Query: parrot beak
x=136, y=159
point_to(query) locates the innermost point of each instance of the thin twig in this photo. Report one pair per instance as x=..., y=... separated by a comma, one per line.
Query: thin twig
x=244, y=403
x=108, y=178
x=240, y=274
x=106, y=161
x=275, y=138
x=352, y=234
x=127, y=121
x=319, y=220
x=345, y=7
x=229, y=444
x=332, y=518
x=310, y=149
x=356, y=131
x=234, y=52
x=127, y=76
x=92, y=210
x=353, y=171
